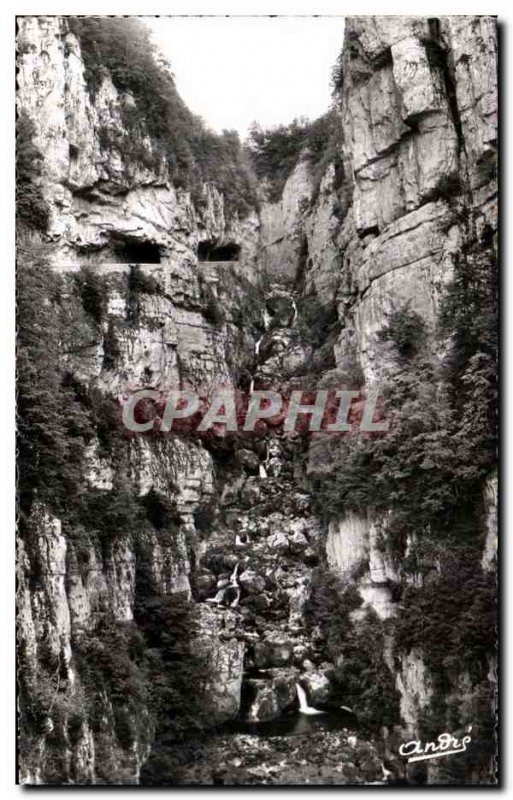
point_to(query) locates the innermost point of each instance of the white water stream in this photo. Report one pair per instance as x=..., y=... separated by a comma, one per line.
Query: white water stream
x=294, y=318
x=233, y=584
x=304, y=708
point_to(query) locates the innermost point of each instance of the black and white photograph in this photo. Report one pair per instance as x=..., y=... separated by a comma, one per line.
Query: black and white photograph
x=257, y=291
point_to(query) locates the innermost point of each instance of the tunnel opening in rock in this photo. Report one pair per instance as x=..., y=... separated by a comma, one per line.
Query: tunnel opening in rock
x=129, y=250
x=210, y=251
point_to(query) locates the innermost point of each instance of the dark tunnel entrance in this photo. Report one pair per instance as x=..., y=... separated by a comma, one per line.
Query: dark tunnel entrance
x=209, y=251
x=135, y=251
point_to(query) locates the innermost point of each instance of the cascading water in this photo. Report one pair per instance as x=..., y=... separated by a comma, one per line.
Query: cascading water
x=294, y=318
x=233, y=584
x=218, y=598
x=262, y=468
x=304, y=708
x=233, y=576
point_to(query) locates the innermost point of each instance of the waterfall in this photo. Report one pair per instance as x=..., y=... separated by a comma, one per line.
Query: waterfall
x=234, y=585
x=262, y=471
x=233, y=576
x=267, y=319
x=294, y=318
x=218, y=598
x=257, y=351
x=304, y=708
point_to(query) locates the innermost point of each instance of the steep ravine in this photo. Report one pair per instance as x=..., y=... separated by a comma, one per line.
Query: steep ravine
x=262, y=551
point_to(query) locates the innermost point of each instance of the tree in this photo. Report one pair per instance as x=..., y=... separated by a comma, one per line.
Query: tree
x=52, y=424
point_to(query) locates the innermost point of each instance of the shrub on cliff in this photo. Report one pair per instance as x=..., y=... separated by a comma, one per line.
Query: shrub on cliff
x=93, y=293
x=31, y=208
x=138, y=284
x=406, y=330
x=365, y=681
x=316, y=321
x=328, y=606
x=112, y=668
x=111, y=347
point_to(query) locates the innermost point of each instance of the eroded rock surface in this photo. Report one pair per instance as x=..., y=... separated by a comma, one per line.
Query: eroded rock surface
x=243, y=537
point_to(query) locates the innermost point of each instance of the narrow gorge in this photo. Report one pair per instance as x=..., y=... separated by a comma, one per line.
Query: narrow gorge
x=187, y=602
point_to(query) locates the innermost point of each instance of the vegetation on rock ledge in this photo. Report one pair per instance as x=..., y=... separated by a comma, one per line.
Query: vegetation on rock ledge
x=121, y=47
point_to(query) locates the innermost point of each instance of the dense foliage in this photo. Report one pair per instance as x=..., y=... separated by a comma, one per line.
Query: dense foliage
x=276, y=151
x=365, y=680
x=405, y=329
x=451, y=618
x=52, y=423
x=426, y=477
x=92, y=290
x=122, y=48
x=179, y=675
x=31, y=208
x=328, y=607
x=430, y=466
x=152, y=676
x=134, y=676
x=362, y=679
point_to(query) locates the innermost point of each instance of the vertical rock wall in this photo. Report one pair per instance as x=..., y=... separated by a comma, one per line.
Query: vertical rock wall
x=418, y=114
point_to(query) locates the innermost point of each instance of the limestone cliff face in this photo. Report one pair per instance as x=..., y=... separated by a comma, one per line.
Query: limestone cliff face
x=413, y=186
x=97, y=201
x=418, y=106
x=94, y=194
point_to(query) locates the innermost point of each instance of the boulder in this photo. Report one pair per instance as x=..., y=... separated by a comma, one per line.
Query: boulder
x=250, y=494
x=204, y=585
x=310, y=557
x=271, y=697
x=272, y=653
x=252, y=582
x=317, y=687
x=300, y=653
x=249, y=460
x=278, y=541
x=298, y=542
x=224, y=654
x=229, y=561
x=258, y=602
